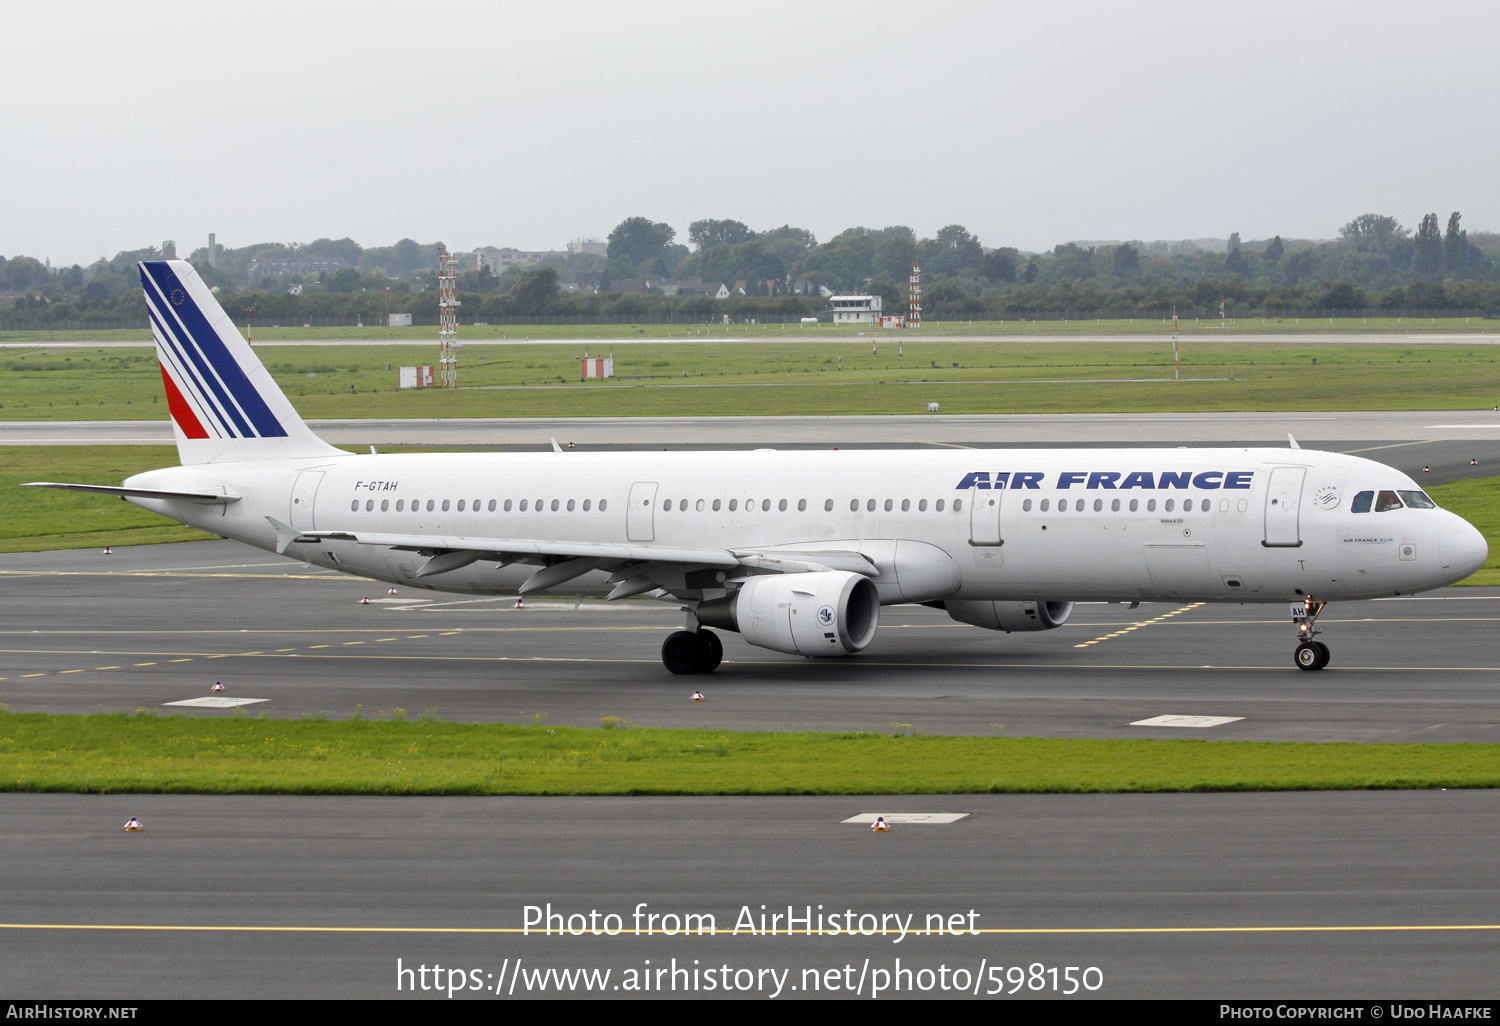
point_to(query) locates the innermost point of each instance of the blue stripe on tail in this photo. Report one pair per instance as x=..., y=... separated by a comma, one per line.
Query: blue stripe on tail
x=212, y=358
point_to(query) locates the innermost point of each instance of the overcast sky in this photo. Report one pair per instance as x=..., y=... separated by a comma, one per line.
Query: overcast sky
x=527, y=124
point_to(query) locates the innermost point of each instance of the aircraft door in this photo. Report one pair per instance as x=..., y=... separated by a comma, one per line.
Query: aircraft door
x=984, y=516
x=304, y=491
x=1284, y=508
x=640, y=512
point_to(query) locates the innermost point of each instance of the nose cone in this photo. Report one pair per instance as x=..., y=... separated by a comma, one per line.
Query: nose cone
x=1462, y=550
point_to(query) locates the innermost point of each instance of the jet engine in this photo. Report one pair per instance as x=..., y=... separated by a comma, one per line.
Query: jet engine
x=832, y=613
x=1011, y=616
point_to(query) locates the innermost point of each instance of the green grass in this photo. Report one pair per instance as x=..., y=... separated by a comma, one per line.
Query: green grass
x=244, y=755
x=37, y=519
x=824, y=376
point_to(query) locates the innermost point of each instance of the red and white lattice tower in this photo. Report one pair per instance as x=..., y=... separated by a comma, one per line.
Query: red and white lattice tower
x=914, y=314
x=447, y=319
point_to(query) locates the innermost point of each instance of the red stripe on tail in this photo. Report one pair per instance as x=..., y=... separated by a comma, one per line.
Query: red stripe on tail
x=182, y=413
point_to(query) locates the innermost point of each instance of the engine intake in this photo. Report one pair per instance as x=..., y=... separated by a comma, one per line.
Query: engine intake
x=1011, y=616
x=833, y=613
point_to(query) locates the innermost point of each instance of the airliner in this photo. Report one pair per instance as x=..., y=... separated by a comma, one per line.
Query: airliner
x=795, y=551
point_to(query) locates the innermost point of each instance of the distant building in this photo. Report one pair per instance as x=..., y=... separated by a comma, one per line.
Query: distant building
x=497, y=260
x=592, y=246
x=296, y=265
x=169, y=250
x=855, y=309
x=398, y=321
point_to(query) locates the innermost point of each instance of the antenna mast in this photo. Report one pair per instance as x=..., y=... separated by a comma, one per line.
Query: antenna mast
x=447, y=319
x=914, y=313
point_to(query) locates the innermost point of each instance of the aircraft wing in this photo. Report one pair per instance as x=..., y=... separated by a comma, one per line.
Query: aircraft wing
x=636, y=567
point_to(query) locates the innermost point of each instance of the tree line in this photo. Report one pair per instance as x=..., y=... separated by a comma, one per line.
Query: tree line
x=1375, y=263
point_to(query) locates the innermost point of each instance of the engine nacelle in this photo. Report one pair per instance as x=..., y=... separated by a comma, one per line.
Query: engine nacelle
x=833, y=613
x=1011, y=616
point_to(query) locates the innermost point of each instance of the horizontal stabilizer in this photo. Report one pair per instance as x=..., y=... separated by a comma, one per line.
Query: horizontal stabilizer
x=136, y=493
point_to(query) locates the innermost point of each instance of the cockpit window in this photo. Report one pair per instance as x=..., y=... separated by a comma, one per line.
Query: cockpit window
x=1386, y=501
x=1418, y=500
x=1362, y=502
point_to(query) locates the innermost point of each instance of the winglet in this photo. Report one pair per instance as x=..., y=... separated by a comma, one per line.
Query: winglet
x=1289, y=438
x=284, y=535
x=555, y=446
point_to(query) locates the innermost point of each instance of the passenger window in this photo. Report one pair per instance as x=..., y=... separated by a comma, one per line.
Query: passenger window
x=781, y=506
x=698, y=505
x=666, y=507
x=460, y=505
x=445, y=505
x=1062, y=505
x=905, y=505
x=1135, y=504
x=921, y=505
x=492, y=505
x=734, y=504
x=1045, y=504
x=507, y=505
x=1187, y=505
x=717, y=504
x=938, y=505
x=354, y=506
x=1026, y=505
x=870, y=506
x=1361, y=503
x=827, y=505
x=385, y=505
x=586, y=504
x=603, y=505
x=1386, y=501
x=887, y=505
x=538, y=505
x=475, y=506
x=429, y=505
x=1417, y=500
x=554, y=505
x=1150, y=505
x=400, y=505
x=801, y=505
x=853, y=505
x=1170, y=504
x=570, y=505
x=765, y=505
x=1114, y=506
x=370, y=505
x=958, y=504
x=1098, y=505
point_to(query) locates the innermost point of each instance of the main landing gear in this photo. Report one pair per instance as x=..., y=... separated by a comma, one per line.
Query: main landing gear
x=1309, y=654
x=698, y=651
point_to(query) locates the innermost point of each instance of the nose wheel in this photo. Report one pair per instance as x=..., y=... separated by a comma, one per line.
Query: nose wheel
x=698, y=651
x=1309, y=653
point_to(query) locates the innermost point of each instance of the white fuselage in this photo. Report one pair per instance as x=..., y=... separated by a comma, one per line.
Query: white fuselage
x=1022, y=524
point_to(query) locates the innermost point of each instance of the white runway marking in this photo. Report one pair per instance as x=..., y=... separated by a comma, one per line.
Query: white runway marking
x=211, y=702
x=908, y=817
x=1186, y=721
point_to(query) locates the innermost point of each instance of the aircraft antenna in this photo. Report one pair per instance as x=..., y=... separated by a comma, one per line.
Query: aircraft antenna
x=447, y=318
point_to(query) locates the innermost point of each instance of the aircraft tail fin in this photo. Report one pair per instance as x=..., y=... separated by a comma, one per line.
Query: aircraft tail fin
x=225, y=406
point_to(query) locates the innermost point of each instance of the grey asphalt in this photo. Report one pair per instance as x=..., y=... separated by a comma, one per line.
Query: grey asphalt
x=1223, y=896
x=149, y=625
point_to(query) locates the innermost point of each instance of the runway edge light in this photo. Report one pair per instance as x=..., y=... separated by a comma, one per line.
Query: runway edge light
x=880, y=826
x=132, y=824
x=697, y=696
x=218, y=686
x=365, y=601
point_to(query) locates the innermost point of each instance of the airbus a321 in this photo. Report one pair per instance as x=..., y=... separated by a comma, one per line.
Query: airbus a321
x=795, y=551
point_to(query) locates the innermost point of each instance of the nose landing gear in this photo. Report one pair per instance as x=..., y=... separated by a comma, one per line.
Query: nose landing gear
x=1309, y=654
